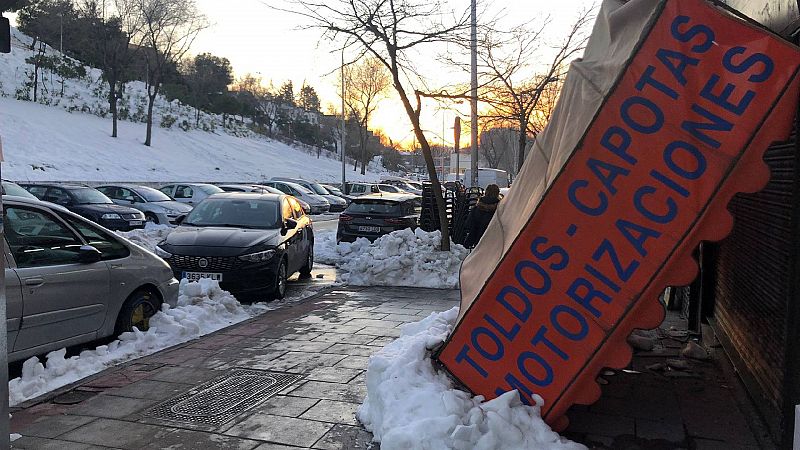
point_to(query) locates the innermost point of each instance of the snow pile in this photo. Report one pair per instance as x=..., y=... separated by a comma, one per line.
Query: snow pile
x=403, y=258
x=148, y=237
x=202, y=308
x=410, y=405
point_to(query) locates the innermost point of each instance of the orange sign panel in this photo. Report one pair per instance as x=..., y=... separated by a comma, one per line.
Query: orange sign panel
x=682, y=131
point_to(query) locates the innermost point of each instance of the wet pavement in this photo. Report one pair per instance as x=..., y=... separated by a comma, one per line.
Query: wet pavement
x=290, y=378
x=294, y=377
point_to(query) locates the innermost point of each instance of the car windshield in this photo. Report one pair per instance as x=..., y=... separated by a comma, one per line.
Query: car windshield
x=210, y=189
x=302, y=189
x=16, y=190
x=235, y=213
x=333, y=190
x=374, y=207
x=152, y=195
x=319, y=189
x=89, y=196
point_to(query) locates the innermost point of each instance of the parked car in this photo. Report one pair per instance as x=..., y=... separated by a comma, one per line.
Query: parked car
x=191, y=193
x=260, y=189
x=69, y=281
x=359, y=189
x=374, y=215
x=318, y=203
x=16, y=190
x=157, y=206
x=89, y=203
x=337, y=204
x=404, y=185
x=250, y=243
x=336, y=191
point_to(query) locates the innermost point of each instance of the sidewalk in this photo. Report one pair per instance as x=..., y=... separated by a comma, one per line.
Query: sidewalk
x=207, y=393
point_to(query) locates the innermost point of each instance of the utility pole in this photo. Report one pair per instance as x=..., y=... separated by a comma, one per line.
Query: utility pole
x=457, y=146
x=474, y=95
x=342, y=140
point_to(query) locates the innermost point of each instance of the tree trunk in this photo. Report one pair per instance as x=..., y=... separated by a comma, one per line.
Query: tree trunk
x=523, y=142
x=151, y=101
x=429, y=164
x=112, y=104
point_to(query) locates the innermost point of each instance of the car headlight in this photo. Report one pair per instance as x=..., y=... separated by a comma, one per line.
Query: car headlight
x=111, y=216
x=163, y=253
x=259, y=256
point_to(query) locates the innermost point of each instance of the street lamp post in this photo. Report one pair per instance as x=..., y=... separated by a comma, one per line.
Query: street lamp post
x=342, y=137
x=474, y=95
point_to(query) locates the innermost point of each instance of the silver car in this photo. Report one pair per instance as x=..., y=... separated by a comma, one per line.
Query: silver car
x=191, y=193
x=157, y=206
x=318, y=204
x=70, y=281
x=337, y=204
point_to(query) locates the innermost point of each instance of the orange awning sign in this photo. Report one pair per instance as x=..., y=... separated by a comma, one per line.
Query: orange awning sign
x=683, y=129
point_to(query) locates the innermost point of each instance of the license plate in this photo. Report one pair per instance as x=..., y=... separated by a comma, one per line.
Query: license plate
x=196, y=276
x=136, y=223
x=370, y=229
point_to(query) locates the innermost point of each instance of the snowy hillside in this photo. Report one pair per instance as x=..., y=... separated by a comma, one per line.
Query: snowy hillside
x=67, y=137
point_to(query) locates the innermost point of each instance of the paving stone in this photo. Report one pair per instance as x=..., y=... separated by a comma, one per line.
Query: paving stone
x=177, y=374
x=216, y=342
x=125, y=435
x=667, y=430
x=269, y=446
x=396, y=310
x=35, y=443
x=363, y=315
x=281, y=405
x=354, y=339
x=403, y=318
x=343, y=437
x=353, y=350
x=333, y=412
x=300, y=361
x=354, y=362
x=382, y=341
x=300, y=346
x=373, y=323
x=280, y=430
x=601, y=424
x=151, y=389
x=53, y=426
x=354, y=393
x=333, y=375
x=376, y=331
x=112, y=407
x=196, y=440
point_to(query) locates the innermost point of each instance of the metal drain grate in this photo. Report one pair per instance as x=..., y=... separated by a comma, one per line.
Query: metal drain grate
x=217, y=401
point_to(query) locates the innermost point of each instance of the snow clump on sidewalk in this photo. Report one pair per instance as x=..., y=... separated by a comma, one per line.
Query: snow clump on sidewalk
x=202, y=309
x=411, y=405
x=402, y=258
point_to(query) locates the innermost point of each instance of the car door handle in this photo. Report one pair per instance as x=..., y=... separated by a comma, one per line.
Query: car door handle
x=34, y=281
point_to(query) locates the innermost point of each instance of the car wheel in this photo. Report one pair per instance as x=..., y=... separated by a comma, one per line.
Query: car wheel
x=137, y=311
x=150, y=217
x=305, y=271
x=280, y=281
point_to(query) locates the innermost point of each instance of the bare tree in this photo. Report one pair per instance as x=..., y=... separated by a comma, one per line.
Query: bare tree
x=264, y=105
x=392, y=31
x=514, y=84
x=366, y=84
x=169, y=29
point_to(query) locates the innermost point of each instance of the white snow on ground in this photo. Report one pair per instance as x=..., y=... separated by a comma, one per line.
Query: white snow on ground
x=67, y=137
x=411, y=405
x=403, y=258
x=202, y=309
x=149, y=237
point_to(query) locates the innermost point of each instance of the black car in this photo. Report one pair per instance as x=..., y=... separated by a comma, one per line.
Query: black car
x=251, y=243
x=372, y=216
x=89, y=203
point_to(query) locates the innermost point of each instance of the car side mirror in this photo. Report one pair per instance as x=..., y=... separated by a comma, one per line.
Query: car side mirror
x=179, y=220
x=288, y=224
x=89, y=255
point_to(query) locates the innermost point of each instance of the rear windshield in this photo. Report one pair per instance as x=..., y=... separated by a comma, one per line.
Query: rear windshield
x=89, y=196
x=374, y=207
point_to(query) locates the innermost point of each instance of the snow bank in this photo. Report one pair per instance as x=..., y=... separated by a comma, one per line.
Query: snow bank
x=403, y=258
x=202, y=309
x=411, y=405
x=148, y=237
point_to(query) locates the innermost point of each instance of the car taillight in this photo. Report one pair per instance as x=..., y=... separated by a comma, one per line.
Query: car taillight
x=345, y=218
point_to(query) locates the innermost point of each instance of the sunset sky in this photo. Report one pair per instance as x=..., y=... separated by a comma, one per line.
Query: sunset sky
x=263, y=41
